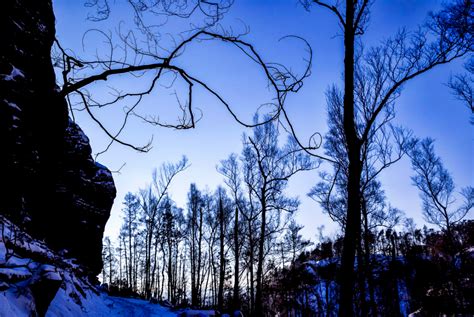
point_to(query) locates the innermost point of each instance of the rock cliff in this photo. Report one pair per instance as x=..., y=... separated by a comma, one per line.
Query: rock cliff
x=51, y=186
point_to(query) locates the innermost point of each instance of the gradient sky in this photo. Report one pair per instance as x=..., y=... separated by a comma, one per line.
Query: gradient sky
x=426, y=105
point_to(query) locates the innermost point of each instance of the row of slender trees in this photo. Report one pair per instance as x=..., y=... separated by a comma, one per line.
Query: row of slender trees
x=222, y=248
x=218, y=250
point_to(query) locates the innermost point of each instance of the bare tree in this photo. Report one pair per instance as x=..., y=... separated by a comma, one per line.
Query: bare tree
x=385, y=146
x=462, y=86
x=224, y=217
x=437, y=189
x=196, y=233
x=231, y=170
x=171, y=233
x=108, y=255
x=447, y=35
x=129, y=227
x=142, y=54
x=293, y=240
x=151, y=199
x=211, y=11
x=269, y=168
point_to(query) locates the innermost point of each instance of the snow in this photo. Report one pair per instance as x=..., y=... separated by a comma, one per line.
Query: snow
x=3, y=253
x=77, y=132
x=18, y=25
x=16, y=261
x=35, y=247
x=13, y=305
x=14, y=74
x=53, y=276
x=18, y=273
x=103, y=172
x=12, y=105
x=198, y=313
x=105, y=306
x=76, y=297
x=415, y=313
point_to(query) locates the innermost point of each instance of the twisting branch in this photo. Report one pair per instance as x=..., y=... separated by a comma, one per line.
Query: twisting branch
x=462, y=86
x=144, y=148
x=333, y=9
x=281, y=80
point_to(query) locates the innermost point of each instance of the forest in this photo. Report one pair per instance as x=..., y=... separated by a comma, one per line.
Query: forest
x=324, y=158
x=239, y=247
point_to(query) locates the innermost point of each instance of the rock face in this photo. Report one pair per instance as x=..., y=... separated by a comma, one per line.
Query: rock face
x=37, y=281
x=32, y=276
x=51, y=185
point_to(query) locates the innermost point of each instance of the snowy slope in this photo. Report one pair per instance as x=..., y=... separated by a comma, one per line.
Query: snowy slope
x=105, y=306
x=37, y=281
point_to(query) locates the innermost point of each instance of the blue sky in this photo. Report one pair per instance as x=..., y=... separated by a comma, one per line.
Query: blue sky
x=426, y=105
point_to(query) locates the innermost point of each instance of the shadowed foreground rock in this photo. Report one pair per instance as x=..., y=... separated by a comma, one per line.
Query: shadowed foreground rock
x=51, y=185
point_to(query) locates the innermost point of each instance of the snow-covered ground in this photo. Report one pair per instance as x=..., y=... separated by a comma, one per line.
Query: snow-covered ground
x=107, y=306
x=32, y=275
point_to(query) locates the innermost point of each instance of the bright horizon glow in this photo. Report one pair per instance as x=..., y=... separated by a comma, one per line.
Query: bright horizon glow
x=426, y=105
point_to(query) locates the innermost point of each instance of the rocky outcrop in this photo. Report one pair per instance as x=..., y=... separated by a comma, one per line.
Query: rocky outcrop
x=51, y=185
x=86, y=190
x=32, y=275
x=37, y=281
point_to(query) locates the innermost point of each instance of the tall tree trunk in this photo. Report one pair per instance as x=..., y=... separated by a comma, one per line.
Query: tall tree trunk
x=251, y=258
x=170, y=272
x=155, y=263
x=192, y=255
x=220, y=296
x=127, y=275
x=184, y=293
x=212, y=271
x=148, y=262
x=236, y=263
x=129, y=253
x=361, y=266
x=110, y=267
x=261, y=250
x=135, y=269
x=120, y=267
x=368, y=263
x=199, y=268
x=162, y=288
x=353, y=216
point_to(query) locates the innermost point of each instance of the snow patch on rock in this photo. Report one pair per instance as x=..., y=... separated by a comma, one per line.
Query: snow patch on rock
x=15, y=73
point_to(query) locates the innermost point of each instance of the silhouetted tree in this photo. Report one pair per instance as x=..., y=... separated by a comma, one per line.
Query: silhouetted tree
x=108, y=255
x=293, y=240
x=172, y=233
x=462, y=85
x=231, y=170
x=151, y=198
x=195, y=231
x=129, y=228
x=269, y=168
x=447, y=35
x=224, y=217
x=437, y=189
x=385, y=146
